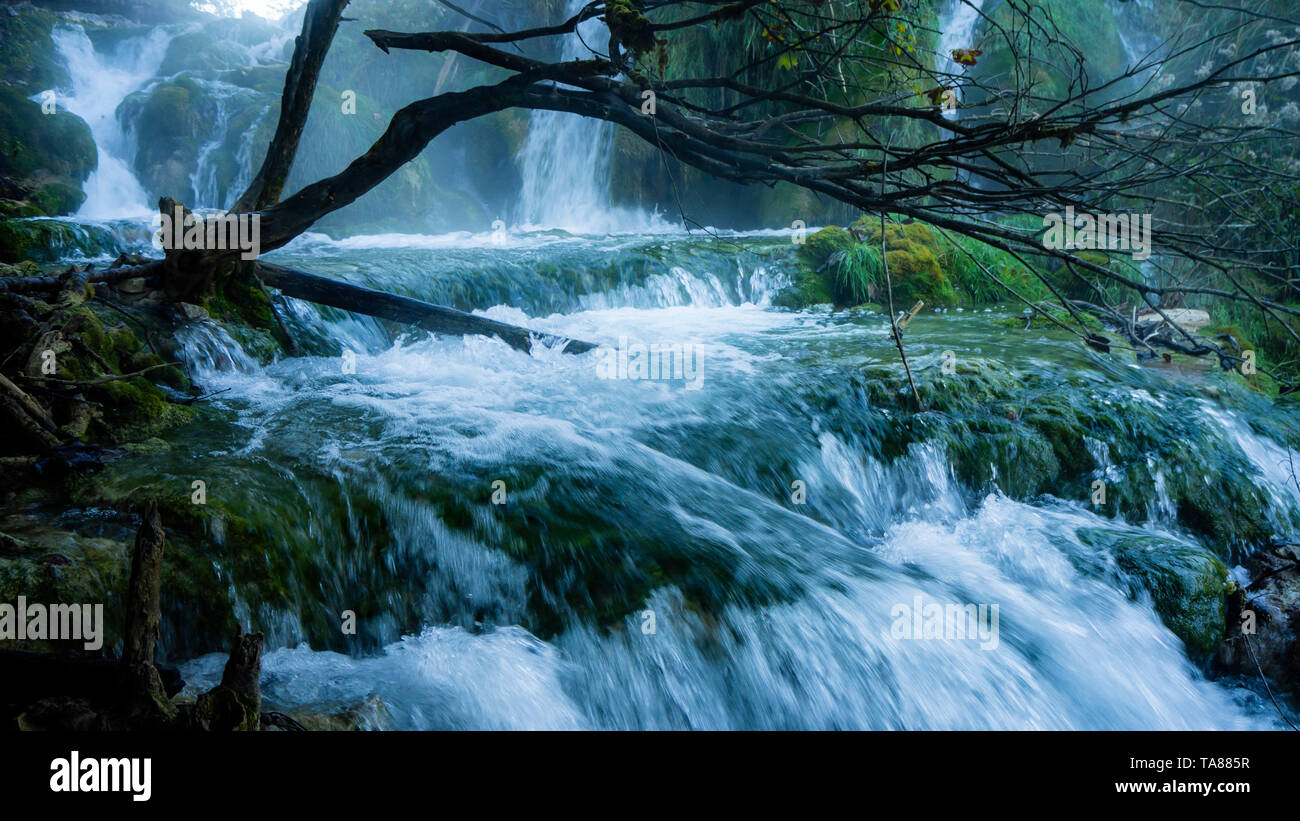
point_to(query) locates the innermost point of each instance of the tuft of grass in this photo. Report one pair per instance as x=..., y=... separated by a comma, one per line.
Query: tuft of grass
x=859, y=274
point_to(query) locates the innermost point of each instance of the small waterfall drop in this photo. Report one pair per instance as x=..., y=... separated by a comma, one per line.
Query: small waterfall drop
x=565, y=162
x=99, y=84
x=957, y=25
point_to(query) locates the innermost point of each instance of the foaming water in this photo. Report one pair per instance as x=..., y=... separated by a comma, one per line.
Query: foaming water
x=1278, y=467
x=99, y=84
x=442, y=679
x=648, y=568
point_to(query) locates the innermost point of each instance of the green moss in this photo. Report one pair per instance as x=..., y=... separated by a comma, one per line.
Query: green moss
x=1188, y=585
x=911, y=263
x=813, y=280
x=27, y=50
x=50, y=155
x=43, y=240
x=55, y=565
x=245, y=312
x=1235, y=341
x=31, y=142
x=135, y=401
x=56, y=199
x=19, y=209
x=819, y=246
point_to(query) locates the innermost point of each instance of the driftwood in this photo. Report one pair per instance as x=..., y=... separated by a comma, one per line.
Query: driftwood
x=55, y=692
x=436, y=318
x=54, y=282
x=324, y=291
x=141, y=634
x=144, y=698
x=319, y=25
x=25, y=417
x=235, y=703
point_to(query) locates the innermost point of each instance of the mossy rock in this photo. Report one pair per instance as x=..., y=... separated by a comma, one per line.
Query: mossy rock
x=370, y=714
x=49, y=155
x=19, y=209
x=172, y=121
x=27, y=52
x=245, y=312
x=56, y=198
x=1187, y=584
x=817, y=249
x=42, y=240
x=912, y=256
x=812, y=283
x=134, y=409
x=1239, y=342
x=51, y=565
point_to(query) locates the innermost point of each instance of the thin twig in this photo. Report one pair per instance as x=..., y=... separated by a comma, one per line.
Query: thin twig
x=103, y=379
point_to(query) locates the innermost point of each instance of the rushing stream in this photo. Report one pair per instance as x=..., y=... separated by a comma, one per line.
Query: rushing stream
x=637, y=504
x=527, y=543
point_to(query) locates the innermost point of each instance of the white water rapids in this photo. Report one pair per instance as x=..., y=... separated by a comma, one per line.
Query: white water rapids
x=648, y=479
x=1075, y=652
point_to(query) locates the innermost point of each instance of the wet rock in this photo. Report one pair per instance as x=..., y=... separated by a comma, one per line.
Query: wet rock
x=1186, y=582
x=75, y=458
x=370, y=714
x=191, y=311
x=62, y=714
x=134, y=285
x=1264, y=623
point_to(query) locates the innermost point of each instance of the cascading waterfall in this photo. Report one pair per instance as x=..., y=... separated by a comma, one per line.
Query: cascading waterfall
x=368, y=461
x=99, y=84
x=801, y=638
x=1133, y=27
x=208, y=190
x=565, y=162
x=244, y=160
x=957, y=24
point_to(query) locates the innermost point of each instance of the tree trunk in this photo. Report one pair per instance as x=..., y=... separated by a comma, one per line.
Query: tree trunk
x=436, y=318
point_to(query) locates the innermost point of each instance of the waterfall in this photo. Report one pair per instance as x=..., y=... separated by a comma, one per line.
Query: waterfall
x=99, y=84
x=789, y=623
x=566, y=160
x=957, y=25
x=1133, y=25
x=205, y=179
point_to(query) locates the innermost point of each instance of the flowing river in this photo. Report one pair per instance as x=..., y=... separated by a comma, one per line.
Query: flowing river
x=652, y=563
x=482, y=538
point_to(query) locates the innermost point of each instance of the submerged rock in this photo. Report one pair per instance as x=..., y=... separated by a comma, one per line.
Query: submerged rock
x=1186, y=582
x=1264, y=622
x=369, y=714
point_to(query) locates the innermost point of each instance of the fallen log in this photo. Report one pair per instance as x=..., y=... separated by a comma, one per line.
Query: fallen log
x=435, y=318
x=26, y=419
x=324, y=291
x=53, y=282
